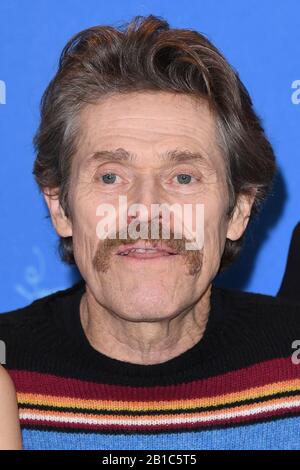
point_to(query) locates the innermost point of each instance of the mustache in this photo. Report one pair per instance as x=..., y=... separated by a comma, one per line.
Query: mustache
x=177, y=242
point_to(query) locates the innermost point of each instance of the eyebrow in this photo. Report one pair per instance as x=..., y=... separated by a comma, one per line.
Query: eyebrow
x=122, y=155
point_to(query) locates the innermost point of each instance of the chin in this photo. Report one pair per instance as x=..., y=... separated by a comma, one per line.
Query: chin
x=146, y=306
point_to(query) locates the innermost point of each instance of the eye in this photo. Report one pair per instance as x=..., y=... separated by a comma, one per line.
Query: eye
x=109, y=178
x=184, y=178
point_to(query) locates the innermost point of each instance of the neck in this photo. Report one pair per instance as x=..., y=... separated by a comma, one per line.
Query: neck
x=143, y=342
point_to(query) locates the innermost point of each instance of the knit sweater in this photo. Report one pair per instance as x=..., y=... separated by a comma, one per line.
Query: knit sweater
x=236, y=388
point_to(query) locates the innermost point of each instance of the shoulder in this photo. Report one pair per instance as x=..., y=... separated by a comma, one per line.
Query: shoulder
x=36, y=335
x=258, y=327
x=47, y=309
x=261, y=310
x=41, y=305
x=268, y=304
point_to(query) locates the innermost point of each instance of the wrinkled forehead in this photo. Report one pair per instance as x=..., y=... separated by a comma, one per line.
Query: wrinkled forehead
x=149, y=126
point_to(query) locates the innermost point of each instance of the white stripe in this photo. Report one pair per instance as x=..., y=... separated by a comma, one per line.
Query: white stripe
x=162, y=421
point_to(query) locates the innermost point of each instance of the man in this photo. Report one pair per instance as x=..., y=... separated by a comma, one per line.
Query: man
x=146, y=352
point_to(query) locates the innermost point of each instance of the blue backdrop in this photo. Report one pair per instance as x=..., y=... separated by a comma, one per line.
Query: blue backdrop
x=260, y=38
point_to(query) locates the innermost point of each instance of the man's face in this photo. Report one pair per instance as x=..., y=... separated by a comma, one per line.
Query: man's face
x=147, y=125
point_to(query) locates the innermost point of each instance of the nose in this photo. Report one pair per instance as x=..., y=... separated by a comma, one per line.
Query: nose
x=143, y=198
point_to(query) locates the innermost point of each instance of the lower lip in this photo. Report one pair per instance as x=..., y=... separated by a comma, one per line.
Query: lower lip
x=147, y=256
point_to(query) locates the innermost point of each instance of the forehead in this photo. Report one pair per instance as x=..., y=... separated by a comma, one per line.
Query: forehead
x=148, y=124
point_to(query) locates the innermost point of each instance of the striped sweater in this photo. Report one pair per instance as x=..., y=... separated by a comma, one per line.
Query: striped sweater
x=237, y=388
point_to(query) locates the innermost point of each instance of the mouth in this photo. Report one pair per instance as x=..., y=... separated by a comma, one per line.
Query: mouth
x=142, y=250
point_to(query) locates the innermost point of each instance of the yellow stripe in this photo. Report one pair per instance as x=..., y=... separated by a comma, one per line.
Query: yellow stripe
x=123, y=405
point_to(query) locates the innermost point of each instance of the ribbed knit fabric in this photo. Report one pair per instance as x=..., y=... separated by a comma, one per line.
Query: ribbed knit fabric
x=237, y=388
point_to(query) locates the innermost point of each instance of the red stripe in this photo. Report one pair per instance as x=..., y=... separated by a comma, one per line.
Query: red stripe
x=264, y=373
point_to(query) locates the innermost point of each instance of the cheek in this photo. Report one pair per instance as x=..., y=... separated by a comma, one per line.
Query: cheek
x=84, y=230
x=215, y=229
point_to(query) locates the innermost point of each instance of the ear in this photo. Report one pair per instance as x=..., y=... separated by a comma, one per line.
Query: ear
x=62, y=224
x=240, y=217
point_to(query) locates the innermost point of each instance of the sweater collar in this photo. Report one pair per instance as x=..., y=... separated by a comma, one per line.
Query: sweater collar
x=184, y=361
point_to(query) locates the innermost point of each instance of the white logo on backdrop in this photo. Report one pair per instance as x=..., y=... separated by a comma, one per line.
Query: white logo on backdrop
x=295, y=97
x=2, y=92
x=34, y=276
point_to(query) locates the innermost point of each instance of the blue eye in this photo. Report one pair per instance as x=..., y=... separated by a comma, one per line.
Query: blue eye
x=109, y=178
x=183, y=178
